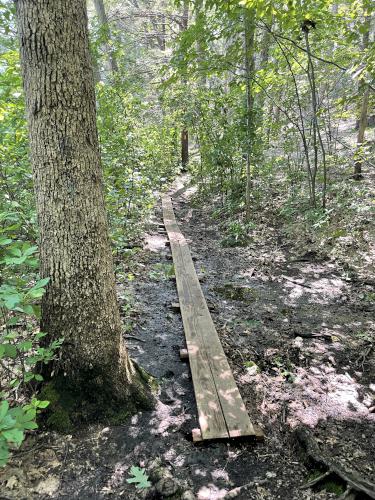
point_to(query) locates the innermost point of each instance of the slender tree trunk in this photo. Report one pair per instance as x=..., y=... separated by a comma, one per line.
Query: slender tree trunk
x=185, y=132
x=317, y=137
x=80, y=304
x=301, y=129
x=159, y=26
x=103, y=19
x=249, y=41
x=199, y=17
x=185, y=149
x=361, y=132
x=266, y=44
x=364, y=110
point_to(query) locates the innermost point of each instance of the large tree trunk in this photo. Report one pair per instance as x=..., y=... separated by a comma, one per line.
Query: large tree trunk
x=103, y=19
x=80, y=304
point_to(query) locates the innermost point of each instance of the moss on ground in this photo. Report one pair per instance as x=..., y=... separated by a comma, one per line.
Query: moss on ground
x=88, y=400
x=237, y=292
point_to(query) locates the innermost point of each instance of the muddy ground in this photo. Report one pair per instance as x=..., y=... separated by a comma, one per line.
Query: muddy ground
x=299, y=336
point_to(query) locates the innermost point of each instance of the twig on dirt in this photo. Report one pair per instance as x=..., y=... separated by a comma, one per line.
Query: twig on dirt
x=37, y=448
x=294, y=281
x=133, y=337
x=317, y=480
x=364, y=355
x=283, y=413
x=241, y=489
x=352, y=478
x=310, y=335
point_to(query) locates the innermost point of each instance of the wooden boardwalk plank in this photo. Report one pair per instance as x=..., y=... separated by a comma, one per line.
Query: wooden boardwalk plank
x=221, y=411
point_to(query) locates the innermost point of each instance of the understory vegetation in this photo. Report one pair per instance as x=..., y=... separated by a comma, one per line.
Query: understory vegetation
x=269, y=107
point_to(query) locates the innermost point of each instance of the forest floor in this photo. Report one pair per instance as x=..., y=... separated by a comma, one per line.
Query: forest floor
x=299, y=336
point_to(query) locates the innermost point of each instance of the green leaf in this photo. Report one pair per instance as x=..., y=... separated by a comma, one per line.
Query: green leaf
x=13, y=321
x=4, y=407
x=10, y=301
x=26, y=416
x=41, y=283
x=15, y=251
x=4, y=451
x=16, y=412
x=139, y=477
x=30, y=251
x=5, y=241
x=42, y=404
x=35, y=293
x=40, y=335
x=30, y=426
x=7, y=422
x=10, y=350
x=37, y=312
x=25, y=346
x=14, y=436
x=28, y=309
x=14, y=260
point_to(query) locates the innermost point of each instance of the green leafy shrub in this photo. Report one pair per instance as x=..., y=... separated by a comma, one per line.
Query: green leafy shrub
x=139, y=157
x=20, y=349
x=237, y=234
x=13, y=424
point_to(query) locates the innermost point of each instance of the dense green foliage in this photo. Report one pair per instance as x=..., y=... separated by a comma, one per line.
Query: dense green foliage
x=308, y=71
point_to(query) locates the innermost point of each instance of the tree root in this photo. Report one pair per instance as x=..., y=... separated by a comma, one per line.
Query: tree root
x=355, y=483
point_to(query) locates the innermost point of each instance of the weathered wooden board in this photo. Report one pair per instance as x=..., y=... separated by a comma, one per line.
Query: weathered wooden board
x=221, y=411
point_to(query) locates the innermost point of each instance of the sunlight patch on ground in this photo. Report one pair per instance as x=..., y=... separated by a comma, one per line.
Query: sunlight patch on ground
x=211, y=492
x=164, y=421
x=317, y=393
x=318, y=290
x=154, y=242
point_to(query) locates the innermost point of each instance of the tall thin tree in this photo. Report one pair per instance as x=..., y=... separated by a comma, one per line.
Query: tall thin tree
x=104, y=25
x=249, y=53
x=363, y=117
x=185, y=132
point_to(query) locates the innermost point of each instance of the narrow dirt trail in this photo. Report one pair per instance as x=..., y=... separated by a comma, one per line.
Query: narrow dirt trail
x=299, y=337
x=290, y=328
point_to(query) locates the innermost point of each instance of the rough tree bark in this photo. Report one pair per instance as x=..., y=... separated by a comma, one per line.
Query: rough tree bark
x=80, y=304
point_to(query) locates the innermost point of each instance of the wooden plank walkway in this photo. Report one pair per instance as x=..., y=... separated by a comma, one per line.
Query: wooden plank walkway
x=221, y=411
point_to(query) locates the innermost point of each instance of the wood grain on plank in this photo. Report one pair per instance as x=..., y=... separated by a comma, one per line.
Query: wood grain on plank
x=221, y=410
